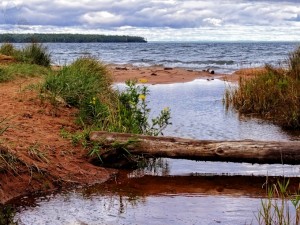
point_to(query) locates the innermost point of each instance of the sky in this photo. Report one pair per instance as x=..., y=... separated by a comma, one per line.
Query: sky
x=157, y=20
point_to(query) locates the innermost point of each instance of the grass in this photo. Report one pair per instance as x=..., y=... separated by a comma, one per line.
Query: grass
x=87, y=85
x=33, y=53
x=273, y=94
x=21, y=70
x=280, y=207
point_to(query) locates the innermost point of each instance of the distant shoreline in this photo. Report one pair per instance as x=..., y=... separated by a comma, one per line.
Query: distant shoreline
x=69, y=38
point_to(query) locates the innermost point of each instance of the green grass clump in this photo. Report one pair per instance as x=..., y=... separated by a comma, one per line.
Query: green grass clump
x=15, y=70
x=274, y=94
x=33, y=53
x=87, y=85
x=7, y=49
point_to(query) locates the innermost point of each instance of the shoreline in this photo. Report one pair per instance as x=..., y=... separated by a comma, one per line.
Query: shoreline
x=168, y=75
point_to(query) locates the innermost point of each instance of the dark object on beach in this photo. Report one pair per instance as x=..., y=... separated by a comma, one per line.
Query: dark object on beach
x=212, y=72
x=190, y=70
x=153, y=74
x=121, y=68
x=168, y=68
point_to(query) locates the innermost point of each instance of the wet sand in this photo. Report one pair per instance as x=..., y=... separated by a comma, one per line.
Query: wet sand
x=159, y=75
x=167, y=75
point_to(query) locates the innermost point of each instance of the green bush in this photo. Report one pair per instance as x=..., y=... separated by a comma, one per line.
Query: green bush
x=273, y=94
x=7, y=49
x=32, y=54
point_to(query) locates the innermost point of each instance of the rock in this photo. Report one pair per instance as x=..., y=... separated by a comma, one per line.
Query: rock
x=168, y=68
x=212, y=72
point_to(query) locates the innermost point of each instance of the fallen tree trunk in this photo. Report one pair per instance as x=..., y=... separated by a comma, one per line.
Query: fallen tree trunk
x=180, y=148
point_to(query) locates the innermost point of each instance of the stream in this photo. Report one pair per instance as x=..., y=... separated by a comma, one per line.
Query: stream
x=172, y=191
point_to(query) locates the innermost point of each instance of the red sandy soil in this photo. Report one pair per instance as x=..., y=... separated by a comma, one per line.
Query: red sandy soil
x=35, y=126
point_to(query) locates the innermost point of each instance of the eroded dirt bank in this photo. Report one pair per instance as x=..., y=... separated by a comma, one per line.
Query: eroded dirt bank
x=37, y=157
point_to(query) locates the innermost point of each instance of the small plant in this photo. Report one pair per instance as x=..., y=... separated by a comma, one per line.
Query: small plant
x=135, y=112
x=280, y=207
x=7, y=214
x=37, y=154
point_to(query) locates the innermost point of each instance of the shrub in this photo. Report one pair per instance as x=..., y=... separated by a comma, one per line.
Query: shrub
x=32, y=54
x=273, y=94
x=7, y=49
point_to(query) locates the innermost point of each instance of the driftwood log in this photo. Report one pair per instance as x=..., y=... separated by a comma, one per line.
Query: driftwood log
x=179, y=148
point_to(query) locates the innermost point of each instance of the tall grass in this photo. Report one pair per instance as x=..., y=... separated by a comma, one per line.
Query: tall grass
x=280, y=207
x=87, y=85
x=273, y=94
x=33, y=53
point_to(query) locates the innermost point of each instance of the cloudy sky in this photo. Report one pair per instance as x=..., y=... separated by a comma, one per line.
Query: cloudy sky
x=158, y=20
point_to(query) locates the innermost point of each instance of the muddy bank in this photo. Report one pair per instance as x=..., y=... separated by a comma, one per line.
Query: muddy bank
x=35, y=156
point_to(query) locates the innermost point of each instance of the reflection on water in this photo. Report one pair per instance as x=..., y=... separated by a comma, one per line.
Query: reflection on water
x=172, y=191
x=197, y=112
x=171, y=167
x=75, y=209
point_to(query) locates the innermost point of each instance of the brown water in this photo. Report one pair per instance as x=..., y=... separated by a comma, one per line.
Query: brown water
x=176, y=191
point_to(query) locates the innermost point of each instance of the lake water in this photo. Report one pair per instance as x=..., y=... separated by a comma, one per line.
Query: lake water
x=222, y=57
x=177, y=191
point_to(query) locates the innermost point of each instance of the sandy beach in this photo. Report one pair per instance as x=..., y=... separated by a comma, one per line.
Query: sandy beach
x=166, y=75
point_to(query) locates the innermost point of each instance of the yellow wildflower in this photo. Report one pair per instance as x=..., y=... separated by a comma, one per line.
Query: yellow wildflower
x=93, y=101
x=143, y=80
x=142, y=97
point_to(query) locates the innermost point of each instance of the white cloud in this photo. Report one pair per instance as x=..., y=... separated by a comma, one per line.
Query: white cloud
x=101, y=18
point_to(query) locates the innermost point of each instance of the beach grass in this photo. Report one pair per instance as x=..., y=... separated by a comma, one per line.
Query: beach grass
x=272, y=94
x=33, y=53
x=21, y=70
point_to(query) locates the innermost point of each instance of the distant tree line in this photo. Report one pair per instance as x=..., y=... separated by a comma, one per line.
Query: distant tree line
x=67, y=38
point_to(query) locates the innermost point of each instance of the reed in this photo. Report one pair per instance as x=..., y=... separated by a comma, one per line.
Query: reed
x=280, y=207
x=272, y=94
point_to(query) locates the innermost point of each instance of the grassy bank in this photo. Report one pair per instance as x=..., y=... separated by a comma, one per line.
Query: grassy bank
x=273, y=94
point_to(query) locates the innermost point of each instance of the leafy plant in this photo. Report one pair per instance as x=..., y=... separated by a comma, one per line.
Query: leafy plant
x=135, y=112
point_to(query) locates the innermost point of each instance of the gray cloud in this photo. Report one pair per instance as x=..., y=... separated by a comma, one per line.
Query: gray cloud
x=151, y=14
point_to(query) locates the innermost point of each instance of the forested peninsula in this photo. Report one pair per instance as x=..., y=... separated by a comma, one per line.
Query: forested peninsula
x=67, y=38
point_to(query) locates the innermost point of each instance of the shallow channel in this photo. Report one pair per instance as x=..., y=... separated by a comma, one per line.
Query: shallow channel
x=175, y=191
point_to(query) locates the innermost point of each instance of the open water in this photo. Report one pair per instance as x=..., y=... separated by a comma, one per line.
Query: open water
x=223, y=57
x=177, y=191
